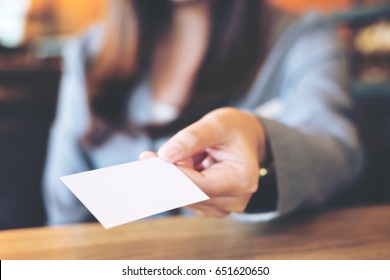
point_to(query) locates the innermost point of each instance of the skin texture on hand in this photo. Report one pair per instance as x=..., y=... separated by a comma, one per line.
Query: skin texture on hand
x=220, y=153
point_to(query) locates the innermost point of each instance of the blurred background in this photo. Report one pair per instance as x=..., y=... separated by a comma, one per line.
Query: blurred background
x=33, y=33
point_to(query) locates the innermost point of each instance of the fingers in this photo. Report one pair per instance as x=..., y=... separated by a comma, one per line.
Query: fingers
x=193, y=162
x=193, y=139
x=223, y=179
x=227, y=130
x=220, y=153
x=205, y=163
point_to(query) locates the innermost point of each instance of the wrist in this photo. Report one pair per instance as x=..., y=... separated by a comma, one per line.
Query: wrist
x=261, y=138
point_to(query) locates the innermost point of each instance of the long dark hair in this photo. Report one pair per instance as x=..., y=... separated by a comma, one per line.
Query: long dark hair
x=233, y=56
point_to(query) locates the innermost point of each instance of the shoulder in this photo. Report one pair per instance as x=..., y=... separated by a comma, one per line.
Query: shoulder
x=311, y=39
x=280, y=24
x=296, y=40
x=315, y=33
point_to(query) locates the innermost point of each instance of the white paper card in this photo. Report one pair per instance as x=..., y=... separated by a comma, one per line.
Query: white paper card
x=127, y=192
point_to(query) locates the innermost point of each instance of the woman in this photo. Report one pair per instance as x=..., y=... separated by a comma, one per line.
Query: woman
x=240, y=95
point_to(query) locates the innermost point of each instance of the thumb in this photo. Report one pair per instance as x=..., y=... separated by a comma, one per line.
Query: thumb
x=206, y=132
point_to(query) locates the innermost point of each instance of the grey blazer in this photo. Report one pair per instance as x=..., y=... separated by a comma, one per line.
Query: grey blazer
x=300, y=95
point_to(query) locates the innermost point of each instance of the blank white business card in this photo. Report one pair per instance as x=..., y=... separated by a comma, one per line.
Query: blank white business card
x=127, y=192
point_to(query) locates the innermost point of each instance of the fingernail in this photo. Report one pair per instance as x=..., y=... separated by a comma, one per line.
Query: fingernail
x=169, y=151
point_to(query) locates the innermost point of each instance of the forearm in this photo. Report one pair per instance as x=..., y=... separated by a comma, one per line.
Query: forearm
x=307, y=170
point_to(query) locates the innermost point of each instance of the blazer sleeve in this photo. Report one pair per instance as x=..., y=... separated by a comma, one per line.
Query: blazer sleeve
x=313, y=140
x=64, y=156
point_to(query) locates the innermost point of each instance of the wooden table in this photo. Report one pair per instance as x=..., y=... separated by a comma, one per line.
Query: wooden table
x=350, y=233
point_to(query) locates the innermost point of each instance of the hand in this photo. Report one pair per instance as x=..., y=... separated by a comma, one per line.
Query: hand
x=220, y=153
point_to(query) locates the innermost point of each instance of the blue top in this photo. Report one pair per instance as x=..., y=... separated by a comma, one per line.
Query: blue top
x=300, y=95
